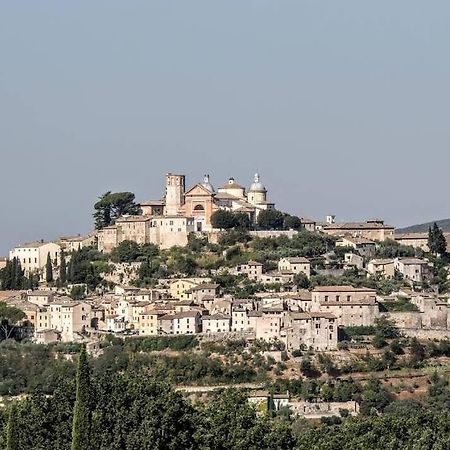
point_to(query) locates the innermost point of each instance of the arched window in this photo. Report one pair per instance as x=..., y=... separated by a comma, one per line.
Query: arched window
x=199, y=208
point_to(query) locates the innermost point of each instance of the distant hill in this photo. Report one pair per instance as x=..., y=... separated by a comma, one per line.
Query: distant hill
x=444, y=224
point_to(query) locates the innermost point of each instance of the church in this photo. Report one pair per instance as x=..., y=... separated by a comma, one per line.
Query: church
x=169, y=221
x=202, y=200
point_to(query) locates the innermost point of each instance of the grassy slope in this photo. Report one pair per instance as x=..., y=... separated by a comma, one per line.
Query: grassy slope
x=423, y=227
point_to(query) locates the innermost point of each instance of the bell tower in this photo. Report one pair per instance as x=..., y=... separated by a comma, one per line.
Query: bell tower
x=175, y=189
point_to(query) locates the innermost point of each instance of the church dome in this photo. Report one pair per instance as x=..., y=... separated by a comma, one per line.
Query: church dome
x=257, y=186
x=207, y=184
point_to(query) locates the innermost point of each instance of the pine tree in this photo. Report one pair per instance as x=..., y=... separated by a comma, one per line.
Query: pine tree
x=49, y=269
x=63, y=269
x=11, y=429
x=82, y=411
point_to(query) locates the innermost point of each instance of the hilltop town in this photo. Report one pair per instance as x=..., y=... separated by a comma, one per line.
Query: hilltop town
x=222, y=277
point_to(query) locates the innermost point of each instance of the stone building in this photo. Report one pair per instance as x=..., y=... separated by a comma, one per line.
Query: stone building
x=295, y=265
x=382, y=267
x=314, y=330
x=217, y=323
x=375, y=230
x=252, y=269
x=351, y=306
x=414, y=269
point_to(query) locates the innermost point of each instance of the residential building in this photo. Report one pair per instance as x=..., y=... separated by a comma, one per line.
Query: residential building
x=382, y=267
x=33, y=255
x=188, y=322
x=313, y=330
x=217, y=323
x=295, y=265
x=178, y=288
x=363, y=246
x=199, y=292
x=252, y=269
x=414, y=269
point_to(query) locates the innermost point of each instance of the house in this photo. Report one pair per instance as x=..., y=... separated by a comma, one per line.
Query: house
x=178, y=289
x=313, y=330
x=148, y=322
x=277, y=277
x=217, y=323
x=252, y=269
x=74, y=243
x=40, y=298
x=414, y=269
x=353, y=261
x=199, y=292
x=363, y=246
x=188, y=322
x=382, y=267
x=308, y=224
x=295, y=265
x=115, y=324
x=33, y=255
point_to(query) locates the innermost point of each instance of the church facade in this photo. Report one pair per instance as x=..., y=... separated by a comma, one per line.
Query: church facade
x=202, y=200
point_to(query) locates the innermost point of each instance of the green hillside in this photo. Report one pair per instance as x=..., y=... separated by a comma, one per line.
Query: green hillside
x=444, y=224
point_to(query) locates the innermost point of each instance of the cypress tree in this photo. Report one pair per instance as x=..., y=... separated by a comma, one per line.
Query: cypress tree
x=63, y=269
x=82, y=411
x=11, y=429
x=436, y=240
x=49, y=269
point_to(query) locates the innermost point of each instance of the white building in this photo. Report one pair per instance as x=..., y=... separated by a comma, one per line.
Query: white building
x=33, y=255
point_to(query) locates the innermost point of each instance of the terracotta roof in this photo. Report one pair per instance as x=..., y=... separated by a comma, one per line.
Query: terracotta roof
x=153, y=203
x=362, y=302
x=357, y=226
x=342, y=289
x=184, y=314
x=297, y=260
x=217, y=317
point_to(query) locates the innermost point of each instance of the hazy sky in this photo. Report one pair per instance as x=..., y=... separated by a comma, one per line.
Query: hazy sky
x=342, y=106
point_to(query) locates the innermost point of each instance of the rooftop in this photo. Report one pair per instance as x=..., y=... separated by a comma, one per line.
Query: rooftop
x=342, y=289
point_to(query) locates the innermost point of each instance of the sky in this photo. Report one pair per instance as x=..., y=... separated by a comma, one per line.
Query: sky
x=342, y=106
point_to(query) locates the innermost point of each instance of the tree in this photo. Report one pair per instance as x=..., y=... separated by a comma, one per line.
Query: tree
x=12, y=276
x=49, y=269
x=292, y=222
x=126, y=251
x=82, y=410
x=110, y=206
x=271, y=219
x=301, y=280
x=242, y=221
x=11, y=429
x=386, y=328
x=63, y=269
x=436, y=240
x=9, y=317
x=223, y=219
x=78, y=292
